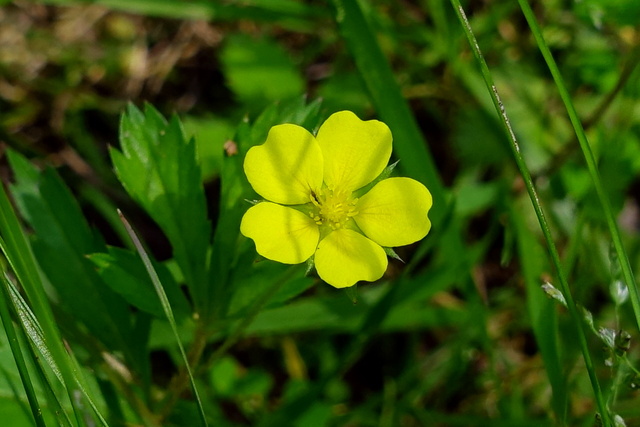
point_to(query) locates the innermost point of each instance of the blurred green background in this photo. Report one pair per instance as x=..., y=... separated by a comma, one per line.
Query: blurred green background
x=460, y=335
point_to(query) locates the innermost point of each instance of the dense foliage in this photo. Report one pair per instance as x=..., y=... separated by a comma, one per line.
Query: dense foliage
x=519, y=308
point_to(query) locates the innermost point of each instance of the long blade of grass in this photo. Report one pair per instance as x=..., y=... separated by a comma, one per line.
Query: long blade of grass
x=166, y=307
x=531, y=190
x=32, y=328
x=290, y=14
x=18, y=357
x=40, y=357
x=34, y=331
x=627, y=273
x=542, y=310
x=17, y=250
x=409, y=142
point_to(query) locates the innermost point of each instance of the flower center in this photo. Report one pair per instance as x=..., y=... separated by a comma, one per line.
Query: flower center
x=333, y=207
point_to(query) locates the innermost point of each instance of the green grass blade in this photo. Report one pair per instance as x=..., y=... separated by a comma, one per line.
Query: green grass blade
x=32, y=328
x=166, y=308
x=409, y=143
x=524, y=171
x=18, y=252
x=34, y=331
x=627, y=273
x=40, y=356
x=289, y=13
x=62, y=236
x=542, y=310
x=18, y=357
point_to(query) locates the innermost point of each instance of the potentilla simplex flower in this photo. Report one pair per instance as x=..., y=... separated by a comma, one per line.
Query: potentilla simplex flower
x=310, y=185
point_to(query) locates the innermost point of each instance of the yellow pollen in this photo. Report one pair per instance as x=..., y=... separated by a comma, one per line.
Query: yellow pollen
x=333, y=207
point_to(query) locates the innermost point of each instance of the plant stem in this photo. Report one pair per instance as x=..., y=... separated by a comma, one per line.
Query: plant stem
x=181, y=381
x=251, y=315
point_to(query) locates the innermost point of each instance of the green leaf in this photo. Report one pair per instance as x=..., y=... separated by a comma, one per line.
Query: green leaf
x=210, y=134
x=40, y=358
x=542, y=309
x=63, y=238
x=124, y=272
x=16, y=249
x=252, y=280
x=157, y=166
x=259, y=71
x=236, y=190
x=168, y=312
x=338, y=313
x=12, y=337
x=287, y=13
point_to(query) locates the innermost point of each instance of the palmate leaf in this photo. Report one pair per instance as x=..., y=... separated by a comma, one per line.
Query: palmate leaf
x=158, y=168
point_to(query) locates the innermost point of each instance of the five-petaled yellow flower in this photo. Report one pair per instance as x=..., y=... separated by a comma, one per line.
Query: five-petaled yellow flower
x=309, y=183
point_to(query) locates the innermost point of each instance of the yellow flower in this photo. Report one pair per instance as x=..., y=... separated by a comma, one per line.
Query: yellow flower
x=309, y=183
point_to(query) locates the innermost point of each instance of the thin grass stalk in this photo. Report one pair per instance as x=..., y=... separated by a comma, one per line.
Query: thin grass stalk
x=394, y=110
x=526, y=175
x=31, y=332
x=166, y=307
x=18, y=357
x=625, y=265
x=15, y=247
x=409, y=143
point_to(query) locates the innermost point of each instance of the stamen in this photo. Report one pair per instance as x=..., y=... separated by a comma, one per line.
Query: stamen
x=334, y=207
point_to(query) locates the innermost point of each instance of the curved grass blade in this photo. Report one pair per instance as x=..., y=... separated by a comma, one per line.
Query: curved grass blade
x=410, y=145
x=37, y=341
x=409, y=142
x=18, y=252
x=38, y=352
x=291, y=14
x=627, y=273
x=166, y=307
x=531, y=190
x=18, y=357
x=542, y=310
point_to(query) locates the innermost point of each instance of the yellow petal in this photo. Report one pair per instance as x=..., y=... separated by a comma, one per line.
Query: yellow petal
x=280, y=233
x=394, y=212
x=286, y=167
x=354, y=151
x=346, y=256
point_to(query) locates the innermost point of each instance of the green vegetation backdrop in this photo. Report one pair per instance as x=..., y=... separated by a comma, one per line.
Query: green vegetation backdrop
x=129, y=296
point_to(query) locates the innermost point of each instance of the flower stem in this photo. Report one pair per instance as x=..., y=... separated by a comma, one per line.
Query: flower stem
x=246, y=321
